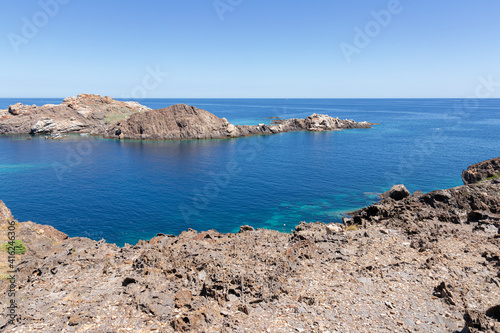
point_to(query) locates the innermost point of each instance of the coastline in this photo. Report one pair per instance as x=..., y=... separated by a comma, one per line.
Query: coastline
x=411, y=265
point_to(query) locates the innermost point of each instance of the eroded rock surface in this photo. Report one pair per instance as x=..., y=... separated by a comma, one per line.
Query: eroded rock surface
x=482, y=171
x=81, y=114
x=188, y=122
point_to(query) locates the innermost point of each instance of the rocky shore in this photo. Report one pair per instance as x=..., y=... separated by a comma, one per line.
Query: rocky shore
x=105, y=116
x=410, y=263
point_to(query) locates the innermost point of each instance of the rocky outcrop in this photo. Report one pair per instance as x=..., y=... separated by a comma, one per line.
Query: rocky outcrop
x=130, y=120
x=397, y=192
x=421, y=263
x=175, y=122
x=188, y=122
x=482, y=171
x=81, y=114
x=479, y=321
x=477, y=204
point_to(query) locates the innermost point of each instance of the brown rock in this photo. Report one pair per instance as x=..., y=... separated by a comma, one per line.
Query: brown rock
x=481, y=171
x=5, y=214
x=445, y=291
x=74, y=320
x=81, y=114
x=183, y=298
x=397, y=192
x=245, y=228
x=182, y=121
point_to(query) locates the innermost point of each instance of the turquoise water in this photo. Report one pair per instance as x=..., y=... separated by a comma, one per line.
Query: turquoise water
x=123, y=191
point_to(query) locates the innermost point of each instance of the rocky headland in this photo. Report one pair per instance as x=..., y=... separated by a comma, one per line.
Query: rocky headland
x=84, y=113
x=105, y=116
x=410, y=263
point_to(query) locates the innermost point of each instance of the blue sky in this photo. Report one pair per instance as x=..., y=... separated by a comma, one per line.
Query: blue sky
x=248, y=48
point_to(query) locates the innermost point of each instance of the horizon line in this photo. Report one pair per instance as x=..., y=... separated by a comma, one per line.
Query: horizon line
x=284, y=98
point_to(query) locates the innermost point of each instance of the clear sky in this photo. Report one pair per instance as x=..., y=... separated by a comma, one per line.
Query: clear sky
x=248, y=48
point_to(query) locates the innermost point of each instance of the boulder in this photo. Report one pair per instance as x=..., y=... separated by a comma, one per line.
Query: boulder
x=18, y=109
x=245, y=228
x=318, y=232
x=397, y=192
x=335, y=228
x=44, y=126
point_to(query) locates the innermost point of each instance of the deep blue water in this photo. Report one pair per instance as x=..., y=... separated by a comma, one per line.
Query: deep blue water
x=123, y=191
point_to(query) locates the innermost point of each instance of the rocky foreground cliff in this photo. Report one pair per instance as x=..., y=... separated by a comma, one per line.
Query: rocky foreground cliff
x=105, y=116
x=410, y=263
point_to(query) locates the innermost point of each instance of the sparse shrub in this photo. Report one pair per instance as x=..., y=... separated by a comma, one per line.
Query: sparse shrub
x=352, y=227
x=494, y=177
x=19, y=247
x=114, y=118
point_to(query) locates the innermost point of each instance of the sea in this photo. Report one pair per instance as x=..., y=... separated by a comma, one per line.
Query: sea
x=124, y=191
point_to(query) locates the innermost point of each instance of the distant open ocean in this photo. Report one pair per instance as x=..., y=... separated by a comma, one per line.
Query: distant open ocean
x=124, y=191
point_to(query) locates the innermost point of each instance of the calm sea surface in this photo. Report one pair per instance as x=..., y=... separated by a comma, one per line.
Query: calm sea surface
x=124, y=191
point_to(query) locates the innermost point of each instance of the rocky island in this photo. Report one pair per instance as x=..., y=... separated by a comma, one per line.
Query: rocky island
x=110, y=118
x=410, y=263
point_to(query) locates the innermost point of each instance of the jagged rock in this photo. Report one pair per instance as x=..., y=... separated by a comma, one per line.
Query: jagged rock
x=19, y=108
x=335, y=228
x=463, y=204
x=188, y=122
x=81, y=114
x=476, y=321
x=446, y=292
x=245, y=228
x=397, y=192
x=44, y=126
x=482, y=171
x=318, y=232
